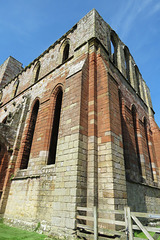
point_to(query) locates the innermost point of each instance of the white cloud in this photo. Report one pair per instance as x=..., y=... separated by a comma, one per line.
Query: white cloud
x=127, y=14
x=155, y=9
x=144, y=5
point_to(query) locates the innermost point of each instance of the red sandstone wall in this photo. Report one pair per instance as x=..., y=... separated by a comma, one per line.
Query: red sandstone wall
x=156, y=140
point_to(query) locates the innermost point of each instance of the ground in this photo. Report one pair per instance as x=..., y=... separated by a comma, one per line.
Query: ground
x=10, y=233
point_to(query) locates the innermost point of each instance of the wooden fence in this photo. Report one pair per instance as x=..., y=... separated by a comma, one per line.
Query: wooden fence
x=88, y=224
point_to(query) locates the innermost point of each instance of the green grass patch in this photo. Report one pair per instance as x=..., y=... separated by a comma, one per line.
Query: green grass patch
x=140, y=234
x=11, y=233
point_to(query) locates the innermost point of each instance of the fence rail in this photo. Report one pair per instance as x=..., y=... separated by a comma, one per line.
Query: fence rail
x=130, y=223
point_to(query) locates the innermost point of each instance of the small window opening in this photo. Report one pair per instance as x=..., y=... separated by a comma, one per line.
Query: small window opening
x=126, y=63
x=113, y=50
x=1, y=194
x=15, y=88
x=1, y=94
x=29, y=137
x=37, y=70
x=55, y=129
x=4, y=120
x=137, y=79
x=65, y=53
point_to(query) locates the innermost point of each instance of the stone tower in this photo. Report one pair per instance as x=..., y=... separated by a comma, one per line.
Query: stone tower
x=8, y=70
x=80, y=131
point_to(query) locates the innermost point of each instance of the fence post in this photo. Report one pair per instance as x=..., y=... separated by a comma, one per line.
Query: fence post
x=95, y=213
x=128, y=222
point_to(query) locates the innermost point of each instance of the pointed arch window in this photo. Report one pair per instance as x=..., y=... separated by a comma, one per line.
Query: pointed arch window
x=29, y=136
x=15, y=88
x=113, y=43
x=137, y=79
x=55, y=128
x=65, y=53
x=4, y=120
x=36, y=71
x=126, y=63
x=1, y=95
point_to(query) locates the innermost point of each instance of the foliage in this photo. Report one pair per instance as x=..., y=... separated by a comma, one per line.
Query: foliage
x=38, y=226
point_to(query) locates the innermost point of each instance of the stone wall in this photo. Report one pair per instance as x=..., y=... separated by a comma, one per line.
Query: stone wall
x=143, y=198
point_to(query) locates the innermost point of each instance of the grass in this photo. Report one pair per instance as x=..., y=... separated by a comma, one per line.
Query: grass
x=11, y=233
x=140, y=234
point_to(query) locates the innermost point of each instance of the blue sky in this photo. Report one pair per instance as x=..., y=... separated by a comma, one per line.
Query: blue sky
x=27, y=28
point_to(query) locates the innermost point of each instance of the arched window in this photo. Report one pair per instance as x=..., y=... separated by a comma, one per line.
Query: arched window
x=4, y=120
x=29, y=136
x=36, y=71
x=137, y=79
x=126, y=62
x=146, y=138
x=134, y=117
x=1, y=95
x=15, y=88
x=55, y=128
x=65, y=53
x=113, y=43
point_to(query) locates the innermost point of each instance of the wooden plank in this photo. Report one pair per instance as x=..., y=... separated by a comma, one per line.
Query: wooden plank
x=102, y=220
x=82, y=226
x=95, y=223
x=85, y=218
x=142, y=227
x=84, y=209
x=126, y=221
x=135, y=227
x=111, y=233
x=146, y=215
x=129, y=223
x=155, y=216
x=110, y=221
x=151, y=229
x=85, y=235
x=137, y=214
x=103, y=238
x=101, y=230
x=90, y=236
x=111, y=211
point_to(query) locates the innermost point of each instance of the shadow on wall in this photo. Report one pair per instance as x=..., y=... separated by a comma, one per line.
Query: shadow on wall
x=3, y=164
x=132, y=168
x=135, y=195
x=4, y=161
x=143, y=198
